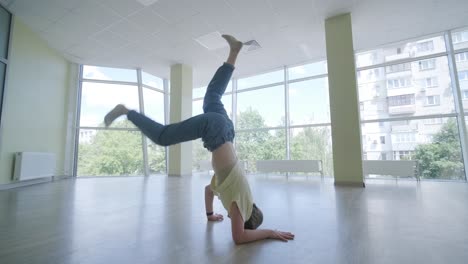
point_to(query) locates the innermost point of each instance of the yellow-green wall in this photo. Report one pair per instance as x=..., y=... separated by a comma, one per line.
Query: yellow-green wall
x=35, y=100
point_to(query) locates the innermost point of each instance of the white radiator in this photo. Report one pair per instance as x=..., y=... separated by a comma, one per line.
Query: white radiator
x=33, y=165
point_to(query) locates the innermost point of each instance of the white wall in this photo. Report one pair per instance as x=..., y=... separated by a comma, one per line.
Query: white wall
x=35, y=107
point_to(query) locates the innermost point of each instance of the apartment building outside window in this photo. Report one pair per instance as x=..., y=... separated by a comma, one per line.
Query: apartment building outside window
x=398, y=83
x=433, y=100
x=427, y=65
x=425, y=46
x=430, y=82
x=400, y=100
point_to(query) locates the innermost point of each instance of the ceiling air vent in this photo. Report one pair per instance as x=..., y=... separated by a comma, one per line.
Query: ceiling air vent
x=251, y=45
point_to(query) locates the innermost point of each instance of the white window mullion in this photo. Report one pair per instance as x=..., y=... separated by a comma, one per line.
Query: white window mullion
x=457, y=98
x=286, y=111
x=142, y=111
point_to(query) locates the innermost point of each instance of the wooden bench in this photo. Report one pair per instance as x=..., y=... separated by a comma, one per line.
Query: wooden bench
x=396, y=168
x=290, y=166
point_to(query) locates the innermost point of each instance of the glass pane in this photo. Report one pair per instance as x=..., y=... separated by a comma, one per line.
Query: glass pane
x=109, y=74
x=152, y=81
x=261, y=108
x=156, y=158
x=434, y=143
x=460, y=39
x=110, y=153
x=307, y=70
x=417, y=89
x=200, y=91
x=5, y=19
x=262, y=79
x=154, y=105
x=97, y=99
x=401, y=51
x=313, y=143
x=462, y=67
x=309, y=102
x=227, y=102
x=261, y=145
x=197, y=107
x=199, y=155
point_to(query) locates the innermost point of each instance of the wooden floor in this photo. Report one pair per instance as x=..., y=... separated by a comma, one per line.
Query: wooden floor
x=161, y=220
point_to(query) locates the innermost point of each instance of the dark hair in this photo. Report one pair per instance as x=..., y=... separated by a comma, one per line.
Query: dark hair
x=255, y=220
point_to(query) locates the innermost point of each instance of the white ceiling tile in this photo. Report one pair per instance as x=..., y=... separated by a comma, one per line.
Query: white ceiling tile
x=257, y=16
x=66, y=4
x=194, y=26
x=110, y=40
x=123, y=7
x=128, y=31
x=148, y=20
x=149, y=45
x=147, y=2
x=212, y=41
x=70, y=31
x=98, y=14
x=175, y=12
x=172, y=37
x=87, y=49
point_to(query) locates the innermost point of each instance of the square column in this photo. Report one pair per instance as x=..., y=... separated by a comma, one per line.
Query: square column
x=180, y=155
x=344, y=104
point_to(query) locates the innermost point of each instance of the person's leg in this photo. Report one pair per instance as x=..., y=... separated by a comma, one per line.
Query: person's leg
x=211, y=127
x=217, y=86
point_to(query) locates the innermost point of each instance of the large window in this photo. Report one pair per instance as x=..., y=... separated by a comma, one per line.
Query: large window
x=118, y=150
x=407, y=108
x=253, y=112
x=434, y=143
x=260, y=145
x=267, y=131
x=401, y=51
x=309, y=102
x=412, y=106
x=5, y=21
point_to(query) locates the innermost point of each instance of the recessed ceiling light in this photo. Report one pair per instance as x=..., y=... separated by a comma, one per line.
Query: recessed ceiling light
x=212, y=41
x=147, y=2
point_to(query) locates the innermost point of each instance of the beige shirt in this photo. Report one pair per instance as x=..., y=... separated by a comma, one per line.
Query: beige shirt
x=235, y=188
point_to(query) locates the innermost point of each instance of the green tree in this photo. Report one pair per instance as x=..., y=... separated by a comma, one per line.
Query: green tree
x=199, y=153
x=442, y=158
x=112, y=153
x=314, y=144
x=156, y=158
x=259, y=144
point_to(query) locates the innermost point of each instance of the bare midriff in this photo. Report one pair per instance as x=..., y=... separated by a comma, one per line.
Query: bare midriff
x=223, y=159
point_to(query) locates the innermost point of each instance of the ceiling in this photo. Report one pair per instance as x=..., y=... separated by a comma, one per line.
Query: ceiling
x=131, y=33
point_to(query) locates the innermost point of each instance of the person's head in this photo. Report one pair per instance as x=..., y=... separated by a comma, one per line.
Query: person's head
x=255, y=219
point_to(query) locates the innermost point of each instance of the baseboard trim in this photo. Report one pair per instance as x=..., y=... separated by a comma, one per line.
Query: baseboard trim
x=350, y=184
x=19, y=184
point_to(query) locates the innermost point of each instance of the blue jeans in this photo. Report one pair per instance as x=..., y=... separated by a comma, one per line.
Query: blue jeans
x=213, y=126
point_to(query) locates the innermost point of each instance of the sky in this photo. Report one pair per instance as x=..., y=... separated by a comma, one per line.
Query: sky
x=99, y=98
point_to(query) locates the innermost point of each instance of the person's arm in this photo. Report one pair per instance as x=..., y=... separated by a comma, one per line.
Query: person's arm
x=241, y=235
x=209, y=196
